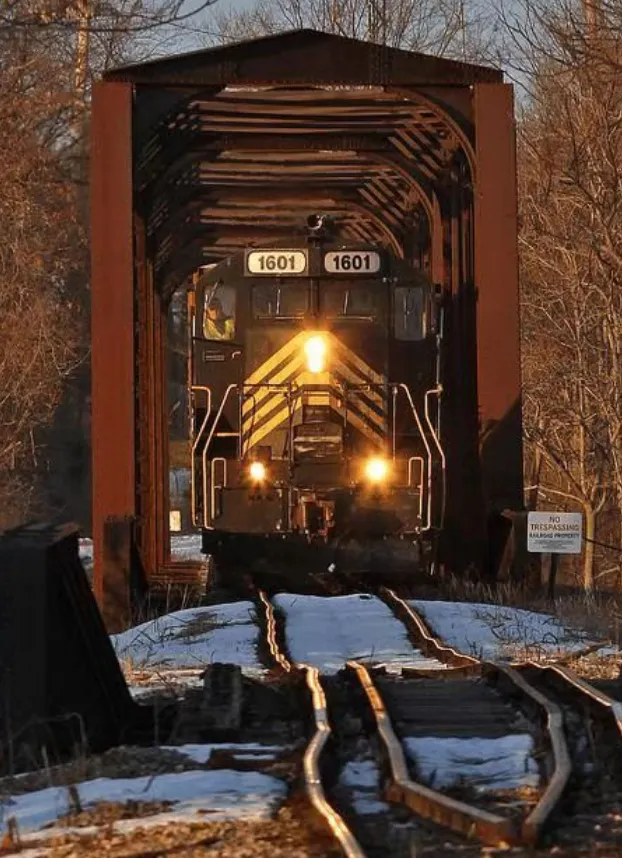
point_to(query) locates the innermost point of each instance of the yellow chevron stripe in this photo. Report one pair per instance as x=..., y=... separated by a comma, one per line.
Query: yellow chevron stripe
x=315, y=397
x=304, y=389
x=369, y=413
x=358, y=362
x=278, y=357
x=275, y=400
x=282, y=377
x=355, y=414
x=356, y=372
x=377, y=437
x=304, y=379
x=262, y=431
x=355, y=378
x=365, y=428
x=334, y=346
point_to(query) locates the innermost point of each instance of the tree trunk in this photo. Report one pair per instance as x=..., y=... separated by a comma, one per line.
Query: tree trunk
x=588, y=560
x=534, y=479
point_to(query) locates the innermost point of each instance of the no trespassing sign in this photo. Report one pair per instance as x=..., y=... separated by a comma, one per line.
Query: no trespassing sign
x=554, y=532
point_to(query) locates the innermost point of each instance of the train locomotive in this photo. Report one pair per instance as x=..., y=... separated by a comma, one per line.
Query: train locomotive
x=317, y=405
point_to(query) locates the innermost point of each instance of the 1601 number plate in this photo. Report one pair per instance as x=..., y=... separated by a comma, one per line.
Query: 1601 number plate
x=352, y=262
x=275, y=262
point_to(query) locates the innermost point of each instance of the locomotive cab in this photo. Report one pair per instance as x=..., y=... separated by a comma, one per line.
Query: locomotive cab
x=316, y=396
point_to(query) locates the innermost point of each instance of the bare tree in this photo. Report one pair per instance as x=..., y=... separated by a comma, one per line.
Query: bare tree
x=458, y=28
x=50, y=50
x=571, y=239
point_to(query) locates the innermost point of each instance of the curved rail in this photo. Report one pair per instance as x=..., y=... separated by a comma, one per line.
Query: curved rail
x=562, y=767
x=275, y=649
x=313, y=779
x=491, y=829
x=444, y=653
x=313, y=751
x=594, y=694
x=458, y=816
x=532, y=825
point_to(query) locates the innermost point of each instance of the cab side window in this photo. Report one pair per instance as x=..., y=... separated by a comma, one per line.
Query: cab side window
x=219, y=312
x=409, y=322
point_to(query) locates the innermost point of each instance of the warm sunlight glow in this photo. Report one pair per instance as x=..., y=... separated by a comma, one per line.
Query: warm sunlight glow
x=376, y=470
x=257, y=472
x=315, y=350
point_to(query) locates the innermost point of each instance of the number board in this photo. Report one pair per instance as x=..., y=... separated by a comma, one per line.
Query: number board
x=352, y=262
x=271, y=262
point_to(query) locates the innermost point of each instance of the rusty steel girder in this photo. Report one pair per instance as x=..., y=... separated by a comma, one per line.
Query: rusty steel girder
x=197, y=155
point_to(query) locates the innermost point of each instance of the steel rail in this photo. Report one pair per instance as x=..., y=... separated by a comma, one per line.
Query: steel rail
x=453, y=814
x=444, y=653
x=311, y=766
x=275, y=649
x=313, y=751
x=532, y=825
x=597, y=696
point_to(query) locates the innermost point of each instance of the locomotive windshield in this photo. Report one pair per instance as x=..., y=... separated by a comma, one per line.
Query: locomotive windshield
x=343, y=298
x=280, y=300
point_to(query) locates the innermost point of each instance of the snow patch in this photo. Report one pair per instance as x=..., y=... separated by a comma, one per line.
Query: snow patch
x=486, y=764
x=183, y=547
x=85, y=553
x=187, y=547
x=498, y=632
x=327, y=631
x=194, y=638
x=241, y=751
x=362, y=778
x=222, y=793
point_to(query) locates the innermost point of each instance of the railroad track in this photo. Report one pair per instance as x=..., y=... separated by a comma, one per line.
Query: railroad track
x=593, y=726
x=385, y=716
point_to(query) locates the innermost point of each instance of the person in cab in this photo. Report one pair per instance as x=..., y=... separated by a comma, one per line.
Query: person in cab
x=216, y=324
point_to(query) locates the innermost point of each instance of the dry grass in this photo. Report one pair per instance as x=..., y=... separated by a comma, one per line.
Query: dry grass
x=590, y=623
x=289, y=835
x=597, y=615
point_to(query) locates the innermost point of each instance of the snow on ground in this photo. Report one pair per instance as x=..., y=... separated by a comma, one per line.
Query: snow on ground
x=362, y=778
x=487, y=764
x=220, y=793
x=192, y=639
x=183, y=547
x=326, y=631
x=239, y=750
x=499, y=632
x=186, y=547
x=85, y=552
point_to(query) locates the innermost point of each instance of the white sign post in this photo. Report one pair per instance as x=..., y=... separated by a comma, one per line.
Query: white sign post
x=554, y=532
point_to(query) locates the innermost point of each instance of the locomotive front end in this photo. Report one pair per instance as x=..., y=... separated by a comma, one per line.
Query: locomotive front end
x=309, y=431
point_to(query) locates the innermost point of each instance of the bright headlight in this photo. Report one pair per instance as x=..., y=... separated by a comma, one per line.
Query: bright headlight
x=315, y=350
x=376, y=470
x=257, y=472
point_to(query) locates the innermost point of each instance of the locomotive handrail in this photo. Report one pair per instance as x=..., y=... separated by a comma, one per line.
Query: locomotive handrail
x=406, y=390
x=410, y=479
x=197, y=440
x=210, y=437
x=437, y=391
x=213, y=463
